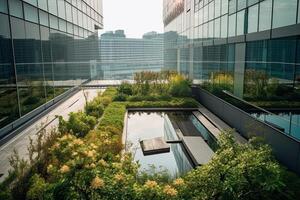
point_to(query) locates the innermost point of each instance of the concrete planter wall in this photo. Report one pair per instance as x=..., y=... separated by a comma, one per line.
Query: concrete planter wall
x=286, y=149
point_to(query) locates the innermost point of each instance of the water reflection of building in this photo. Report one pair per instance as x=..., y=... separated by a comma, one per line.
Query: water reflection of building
x=121, y=57
x=181, y=158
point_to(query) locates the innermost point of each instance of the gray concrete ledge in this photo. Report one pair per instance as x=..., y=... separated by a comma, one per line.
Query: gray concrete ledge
x=198, y=150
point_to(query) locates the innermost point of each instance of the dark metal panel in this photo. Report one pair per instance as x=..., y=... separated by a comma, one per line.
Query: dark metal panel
x=236, y=39
x=286, y=31
x=220, y=41
x=263, y=35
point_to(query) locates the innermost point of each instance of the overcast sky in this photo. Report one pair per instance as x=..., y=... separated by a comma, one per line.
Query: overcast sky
x=136, y=17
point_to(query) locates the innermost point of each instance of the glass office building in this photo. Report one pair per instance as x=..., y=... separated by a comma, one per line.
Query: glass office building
x=121, y=57
x=250, y=48
x=45, y=48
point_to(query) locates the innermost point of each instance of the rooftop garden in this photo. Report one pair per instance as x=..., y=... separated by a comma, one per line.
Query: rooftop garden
x=85, y=159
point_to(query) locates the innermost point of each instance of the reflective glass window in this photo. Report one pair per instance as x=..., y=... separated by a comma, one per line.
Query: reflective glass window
x=232, y=6
x=62, y=25
x=211, y=10
x=211, y=29
x=80, y=18
x=9, y=109
x=205, y=30
x=240, y=24
x=30, y=13
x=32, y=2
x=43, y=4
x=69, y=28
x=242, y=4
x=75, y=29
x=299, y=15
x=201, y=16
x=224, y=26
x=69, y=12
x=75, y=16
x=15, y=8
x=53, y=22
x=44, y=19
x=265, y=15
x=217, y=8
x=217, y=28
x=80, y=32
x=3, y=6
x=52, y=6
x=61, y=9
x=18, y=34
x=284, y=13
x=205, y=14
x=252, y=18
x=79, y=4
x=224, y=7
x=232, y=25
x=251, y=2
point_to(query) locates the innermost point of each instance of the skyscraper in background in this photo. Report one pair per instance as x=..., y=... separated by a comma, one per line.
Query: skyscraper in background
x=121, y=57
x=46, y=47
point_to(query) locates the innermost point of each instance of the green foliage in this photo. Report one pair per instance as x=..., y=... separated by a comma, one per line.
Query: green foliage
x=149, y=98
x=113, y=116
x=94, y=109
x=38, y=187
x=94, y=166
x=120, y=97
x=125, y=88
x=79, y=124
x=180, y=87
x=237, y=172
x=173, y=103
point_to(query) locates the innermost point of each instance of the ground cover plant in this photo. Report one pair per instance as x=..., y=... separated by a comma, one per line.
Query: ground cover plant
x=85, y=160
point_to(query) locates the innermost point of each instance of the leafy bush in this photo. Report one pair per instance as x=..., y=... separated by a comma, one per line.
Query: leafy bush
x=79, y=124
x=180, y=87
x=125, y=88
x=120, y=97
x=94, y=109
x=38, y=187
x=237, y=171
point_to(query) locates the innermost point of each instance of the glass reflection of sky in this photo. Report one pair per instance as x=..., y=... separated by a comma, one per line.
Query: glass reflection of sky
x=143, y=125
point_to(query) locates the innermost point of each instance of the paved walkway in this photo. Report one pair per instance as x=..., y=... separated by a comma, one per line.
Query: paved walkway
x=21, y=141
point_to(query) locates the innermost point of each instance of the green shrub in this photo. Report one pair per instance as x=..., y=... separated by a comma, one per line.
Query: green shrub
x=237, y=171
x=180, y=89
x=125, y=88
x=79, y=124
x=38, y=187
x=94, y=109
x=120, y=97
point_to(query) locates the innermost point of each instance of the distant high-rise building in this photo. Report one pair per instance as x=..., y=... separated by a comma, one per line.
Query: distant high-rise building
x=43, y=51
x=121, y=57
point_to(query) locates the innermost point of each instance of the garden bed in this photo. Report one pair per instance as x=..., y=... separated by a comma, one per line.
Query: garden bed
x=83, y=159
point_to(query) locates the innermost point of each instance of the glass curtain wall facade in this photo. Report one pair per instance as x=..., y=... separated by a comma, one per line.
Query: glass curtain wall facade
x=43, y=46
x=248, y=47
x=121, y=57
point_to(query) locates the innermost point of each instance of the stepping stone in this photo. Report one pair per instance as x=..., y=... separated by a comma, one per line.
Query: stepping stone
x=154, y=146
